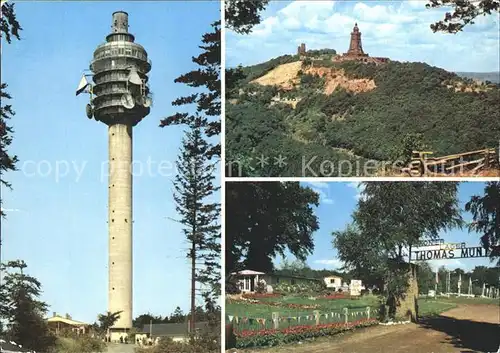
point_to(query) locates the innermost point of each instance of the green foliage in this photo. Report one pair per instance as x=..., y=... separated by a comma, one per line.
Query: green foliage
x=194, y=190
x=9, y=26
x=241, y=15
x=107, y=320
x=425, y=277
x=264, y=220
x=300, y=288
x=146, y=319
x=261, y=288
x=404, y=151
x=301, y=269
x=392, y=217
x=464, y=13
x=78, y=344
x=206, y=343
x=207, y=103
x=22, y=310
x=293, y=305
x=421, y=111
x=486, y=216
x=322, y=53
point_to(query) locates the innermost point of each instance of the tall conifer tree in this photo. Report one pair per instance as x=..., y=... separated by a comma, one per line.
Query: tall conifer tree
x=194, y=188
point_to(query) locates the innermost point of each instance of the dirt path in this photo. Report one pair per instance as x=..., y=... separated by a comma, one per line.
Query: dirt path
x=468, y=328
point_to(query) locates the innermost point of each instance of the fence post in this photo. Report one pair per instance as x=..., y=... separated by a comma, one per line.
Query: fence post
x=276, y=320
x=346, y=313
x=487, y=159
x=368, y=312
x=316, y=316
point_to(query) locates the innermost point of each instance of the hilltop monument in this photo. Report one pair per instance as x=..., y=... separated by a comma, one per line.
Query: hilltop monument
x=356, y=53
x=355, y=47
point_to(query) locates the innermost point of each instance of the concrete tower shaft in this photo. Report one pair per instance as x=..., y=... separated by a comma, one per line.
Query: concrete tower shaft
x=120, y=224
x=121, y=99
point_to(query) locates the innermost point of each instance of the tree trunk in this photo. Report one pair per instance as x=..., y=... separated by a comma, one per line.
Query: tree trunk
x=407, y=307
x=193, y=288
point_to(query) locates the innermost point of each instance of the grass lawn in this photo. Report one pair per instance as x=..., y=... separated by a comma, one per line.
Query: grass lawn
x=435, y=306
x=427, y=306
x=325, y=305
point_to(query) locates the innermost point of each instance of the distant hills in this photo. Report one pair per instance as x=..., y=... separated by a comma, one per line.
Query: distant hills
x=308, y=108
x=482, y=76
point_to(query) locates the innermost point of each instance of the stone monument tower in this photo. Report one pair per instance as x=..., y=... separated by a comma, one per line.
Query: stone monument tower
x=355, y=47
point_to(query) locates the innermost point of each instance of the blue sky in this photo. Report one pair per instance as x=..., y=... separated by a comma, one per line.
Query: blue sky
x=57, y=220
x=337, y=203
x=395, y=29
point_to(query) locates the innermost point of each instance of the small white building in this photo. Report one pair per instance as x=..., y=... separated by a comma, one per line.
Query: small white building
x=333, y=282
x=248, y=280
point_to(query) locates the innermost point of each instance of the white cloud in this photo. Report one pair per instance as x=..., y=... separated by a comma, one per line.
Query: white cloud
x=319, y=184
x=333, y=263
x=398, y=30
x=304, y=10
x=321, y=188
x=359, y=187
x=323, y=196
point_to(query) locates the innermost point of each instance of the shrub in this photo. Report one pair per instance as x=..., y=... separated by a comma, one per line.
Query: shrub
x=79, y=344
x=201, y=344
x=232, y=286
x=261, y=288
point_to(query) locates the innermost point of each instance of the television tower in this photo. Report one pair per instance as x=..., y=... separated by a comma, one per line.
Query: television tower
x=119, y=98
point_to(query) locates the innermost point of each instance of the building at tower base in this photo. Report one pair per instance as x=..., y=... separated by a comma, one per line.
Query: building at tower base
x=356, y=53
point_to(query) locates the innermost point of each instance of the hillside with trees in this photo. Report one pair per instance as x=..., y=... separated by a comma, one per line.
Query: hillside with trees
x=411, y=105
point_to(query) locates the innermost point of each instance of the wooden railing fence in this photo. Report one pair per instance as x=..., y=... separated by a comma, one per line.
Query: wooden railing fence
x=422, y=164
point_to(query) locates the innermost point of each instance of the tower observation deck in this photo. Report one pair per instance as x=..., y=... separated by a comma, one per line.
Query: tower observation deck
x=120, y=98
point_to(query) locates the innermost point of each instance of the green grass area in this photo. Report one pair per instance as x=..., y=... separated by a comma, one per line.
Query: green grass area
x=435, y=306
x=427, y=306
x=263, y=310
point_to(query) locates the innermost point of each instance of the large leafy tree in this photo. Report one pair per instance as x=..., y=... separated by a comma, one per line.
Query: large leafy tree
x=22, y=310
x=390, y=218
x=146, y=319
x=207, y=101
x=485, y=211
x=266, y=219
x=243, y=15
x=425, y=277
x=106, y=321
x=464, y=12
x=194, y=194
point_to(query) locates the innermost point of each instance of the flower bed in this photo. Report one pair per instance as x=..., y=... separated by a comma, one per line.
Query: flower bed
x=274, y=337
